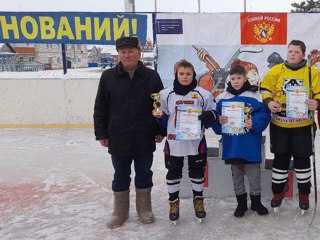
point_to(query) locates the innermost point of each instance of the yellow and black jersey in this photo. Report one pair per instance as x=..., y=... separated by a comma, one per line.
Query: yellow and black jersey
x=273, y=86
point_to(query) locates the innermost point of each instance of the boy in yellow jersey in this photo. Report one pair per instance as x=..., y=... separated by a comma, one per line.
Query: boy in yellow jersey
x=290, y=137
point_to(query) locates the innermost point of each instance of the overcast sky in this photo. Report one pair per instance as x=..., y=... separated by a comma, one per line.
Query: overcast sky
x=148, y=5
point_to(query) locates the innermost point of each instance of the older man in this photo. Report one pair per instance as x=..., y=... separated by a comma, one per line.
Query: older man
x=123, y=122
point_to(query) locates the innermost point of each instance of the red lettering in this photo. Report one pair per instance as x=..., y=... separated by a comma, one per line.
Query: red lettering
x=188, y=102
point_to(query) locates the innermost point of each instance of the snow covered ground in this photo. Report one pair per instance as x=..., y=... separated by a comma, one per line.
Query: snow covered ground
x=56, y=184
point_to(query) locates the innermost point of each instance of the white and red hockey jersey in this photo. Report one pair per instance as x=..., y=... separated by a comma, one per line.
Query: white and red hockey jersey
x=170, y=101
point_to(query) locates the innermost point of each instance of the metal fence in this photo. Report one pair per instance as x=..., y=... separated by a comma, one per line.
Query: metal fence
x=28, y=61
x=34, y=59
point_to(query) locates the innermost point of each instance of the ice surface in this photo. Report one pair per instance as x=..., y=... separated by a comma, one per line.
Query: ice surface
x=56, y=184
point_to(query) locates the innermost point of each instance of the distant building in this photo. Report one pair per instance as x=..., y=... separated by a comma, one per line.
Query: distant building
x=35, y=57
x=109, y=55
x=49, y=56
x=94, y=54
x=102, y=55
x=7, y=57
x=77, y=54
x=26, y=59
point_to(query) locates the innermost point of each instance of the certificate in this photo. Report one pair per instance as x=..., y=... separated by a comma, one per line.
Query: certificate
x=235, y=113
x=188, y=125
x=295, y=102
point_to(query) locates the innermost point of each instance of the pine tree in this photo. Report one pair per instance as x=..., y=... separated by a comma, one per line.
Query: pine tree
x=309, y=6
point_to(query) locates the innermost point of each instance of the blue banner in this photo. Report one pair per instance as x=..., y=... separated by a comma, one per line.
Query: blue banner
x=71, y=27
x=169, y=26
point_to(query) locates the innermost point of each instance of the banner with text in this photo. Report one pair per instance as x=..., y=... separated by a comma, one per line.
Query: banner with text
x=263, y=28
x=70, y=27
x=257, y=41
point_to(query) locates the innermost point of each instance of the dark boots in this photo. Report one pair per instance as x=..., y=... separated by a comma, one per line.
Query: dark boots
x=257, y=206
x=242, y=205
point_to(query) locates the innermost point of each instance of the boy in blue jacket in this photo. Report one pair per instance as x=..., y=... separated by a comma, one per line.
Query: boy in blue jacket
x=242, y=149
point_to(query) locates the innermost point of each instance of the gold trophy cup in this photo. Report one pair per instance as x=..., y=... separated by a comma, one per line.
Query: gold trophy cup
x=157, y=111
x=247, y=113
x=277, y=98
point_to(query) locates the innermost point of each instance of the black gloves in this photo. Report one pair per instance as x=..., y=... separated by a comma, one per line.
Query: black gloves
x=208, y=118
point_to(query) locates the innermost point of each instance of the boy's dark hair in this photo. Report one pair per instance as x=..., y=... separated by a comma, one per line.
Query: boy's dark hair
x=185, y=64
x=237, y=69
x=298, y=43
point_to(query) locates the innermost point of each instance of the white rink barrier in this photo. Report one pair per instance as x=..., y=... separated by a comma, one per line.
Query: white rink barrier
x=47, y=101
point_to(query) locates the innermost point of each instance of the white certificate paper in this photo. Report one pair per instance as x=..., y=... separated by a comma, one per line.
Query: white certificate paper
x=188, y=125
x=235, y=113
x=296, y=106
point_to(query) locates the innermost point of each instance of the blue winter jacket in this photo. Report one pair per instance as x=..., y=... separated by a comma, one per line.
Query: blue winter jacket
x=246, y=146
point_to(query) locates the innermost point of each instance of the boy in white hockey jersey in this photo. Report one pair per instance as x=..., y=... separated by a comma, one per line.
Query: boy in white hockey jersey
x=186, y=92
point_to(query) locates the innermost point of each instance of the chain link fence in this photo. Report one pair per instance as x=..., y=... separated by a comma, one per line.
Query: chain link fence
x=32, y=61
x=46, y=60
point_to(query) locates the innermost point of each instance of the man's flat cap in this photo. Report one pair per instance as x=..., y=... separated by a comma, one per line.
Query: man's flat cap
x=127, y=42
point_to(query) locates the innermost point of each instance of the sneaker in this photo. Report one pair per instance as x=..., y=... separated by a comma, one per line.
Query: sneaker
x=199, y=207
x=304, y=201
x=174, y=210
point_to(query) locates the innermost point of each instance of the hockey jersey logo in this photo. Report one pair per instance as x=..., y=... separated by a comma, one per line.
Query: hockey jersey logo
x=291, y=82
